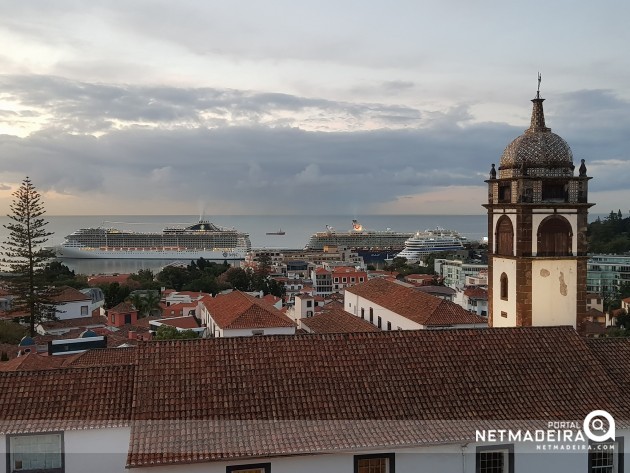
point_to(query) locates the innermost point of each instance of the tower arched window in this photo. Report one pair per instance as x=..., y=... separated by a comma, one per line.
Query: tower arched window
x=504, y=237
x=504, y=286
x=555, y=237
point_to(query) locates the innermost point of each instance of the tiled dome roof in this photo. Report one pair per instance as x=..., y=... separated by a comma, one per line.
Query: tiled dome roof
x=538, y=147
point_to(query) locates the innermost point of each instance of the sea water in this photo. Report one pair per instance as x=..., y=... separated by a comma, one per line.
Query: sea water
x=298, y=229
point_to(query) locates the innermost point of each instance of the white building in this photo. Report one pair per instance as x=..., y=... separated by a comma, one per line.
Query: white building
x=455, y=272
x=396, y=306
x=238, y=314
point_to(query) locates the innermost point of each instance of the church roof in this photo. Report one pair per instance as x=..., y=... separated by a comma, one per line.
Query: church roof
x=537, y=151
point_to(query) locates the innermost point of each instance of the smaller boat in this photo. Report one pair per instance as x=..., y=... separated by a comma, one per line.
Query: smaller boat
x=279, y=232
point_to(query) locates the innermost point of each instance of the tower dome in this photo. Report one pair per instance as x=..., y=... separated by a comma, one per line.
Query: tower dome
x=538, y=151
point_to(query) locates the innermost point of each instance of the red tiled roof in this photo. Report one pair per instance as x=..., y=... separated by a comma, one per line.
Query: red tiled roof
x=108, y=279
x=104, y=357
x=337, y=320
x=124, y=308
x=332, y=392
x=63, y=399
x=613, y=353
x=37, y=362
x=70, y=294
x=476, y=293
x=79, y=322
x=238, y=310
x=421, y=308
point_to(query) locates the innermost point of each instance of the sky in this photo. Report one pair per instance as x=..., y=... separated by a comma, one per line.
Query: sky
x=286, y=107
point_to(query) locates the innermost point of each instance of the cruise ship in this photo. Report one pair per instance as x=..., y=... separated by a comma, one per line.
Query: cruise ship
x=371, y=244
x=431, y=241
x=201, y=240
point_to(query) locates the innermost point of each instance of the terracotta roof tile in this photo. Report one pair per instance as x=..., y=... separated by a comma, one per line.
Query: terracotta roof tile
x=70, y=294
x=337, y=321
x=609, y=351
x=67, y=398
x=424, y=309
x=336, y=391
x=105, y=357
x=238, y=310
x=123, y=308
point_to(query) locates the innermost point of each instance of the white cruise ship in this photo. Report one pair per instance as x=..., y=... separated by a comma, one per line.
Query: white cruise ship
x=201, y=240
x=359, y=238
x=431, y=241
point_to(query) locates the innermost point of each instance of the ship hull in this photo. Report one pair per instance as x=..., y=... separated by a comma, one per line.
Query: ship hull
x=139, y=253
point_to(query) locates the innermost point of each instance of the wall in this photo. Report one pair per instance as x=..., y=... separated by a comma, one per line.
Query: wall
x=507, y=266
x=456, y=458
x=72, y=310
x=248, y=332
x=92, y=450
x=554, y=292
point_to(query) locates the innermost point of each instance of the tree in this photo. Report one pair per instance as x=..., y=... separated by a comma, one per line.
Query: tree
x=24, y=255
x=166, y=332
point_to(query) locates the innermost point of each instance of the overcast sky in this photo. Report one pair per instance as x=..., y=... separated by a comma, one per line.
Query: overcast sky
x=283, y=107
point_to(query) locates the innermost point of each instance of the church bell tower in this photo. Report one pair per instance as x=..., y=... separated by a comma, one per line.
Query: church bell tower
x=537, y=222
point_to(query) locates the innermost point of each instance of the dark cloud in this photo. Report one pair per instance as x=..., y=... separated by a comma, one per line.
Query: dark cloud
x=168, y=149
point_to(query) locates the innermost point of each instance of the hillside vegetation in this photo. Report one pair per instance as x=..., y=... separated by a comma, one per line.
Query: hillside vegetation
x=610, y=235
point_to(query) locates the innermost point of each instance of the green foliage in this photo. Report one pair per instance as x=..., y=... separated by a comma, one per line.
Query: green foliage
x=145, y=279
x=146, y=302
x=401, y=266
x=11, y=332
x=115, y=293
x=25, y=256
x=166, y=332
x=200, y=275
x=237, y=278
x=610, y=236
x=58, y=274
x=623, y=320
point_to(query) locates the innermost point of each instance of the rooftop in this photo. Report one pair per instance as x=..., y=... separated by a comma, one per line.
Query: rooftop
x=424, y=309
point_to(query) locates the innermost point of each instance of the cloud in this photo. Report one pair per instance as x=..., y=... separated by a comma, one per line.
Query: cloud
x=144, y=149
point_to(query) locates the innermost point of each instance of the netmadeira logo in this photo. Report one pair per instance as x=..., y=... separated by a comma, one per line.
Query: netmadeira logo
x=598, y=427
x=595, y=422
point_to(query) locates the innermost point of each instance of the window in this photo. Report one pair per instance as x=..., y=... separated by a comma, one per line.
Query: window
x=352, y=280
x=495, y=459
x=555, y=237
x=254, y=468
x=371, y=315
x=504, y=314
x=362, y=313
x=504, y=287
x=378, y=463
x=606, y=457
x=84, y=310
x=344, y=279
x=309, y=303
x=336, y=279
x=379, y=322
x=40, y=452
x=361, y=279
x=389, y=325
x=504, y=237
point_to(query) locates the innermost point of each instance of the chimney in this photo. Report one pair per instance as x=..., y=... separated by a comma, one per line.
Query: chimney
x=131, y=335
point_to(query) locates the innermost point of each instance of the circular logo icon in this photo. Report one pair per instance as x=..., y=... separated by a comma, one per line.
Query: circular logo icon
x=225, y=254
x=595, y=427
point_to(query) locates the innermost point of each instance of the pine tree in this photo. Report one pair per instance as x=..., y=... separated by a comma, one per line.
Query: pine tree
x=23, y=253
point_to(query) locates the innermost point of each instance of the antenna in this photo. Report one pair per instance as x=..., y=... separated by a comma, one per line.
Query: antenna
x=538, y=92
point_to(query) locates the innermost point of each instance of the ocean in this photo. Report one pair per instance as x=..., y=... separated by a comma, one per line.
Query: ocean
x=297, y=228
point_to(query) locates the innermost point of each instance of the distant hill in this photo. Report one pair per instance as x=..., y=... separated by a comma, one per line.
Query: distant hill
x=610, y=235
